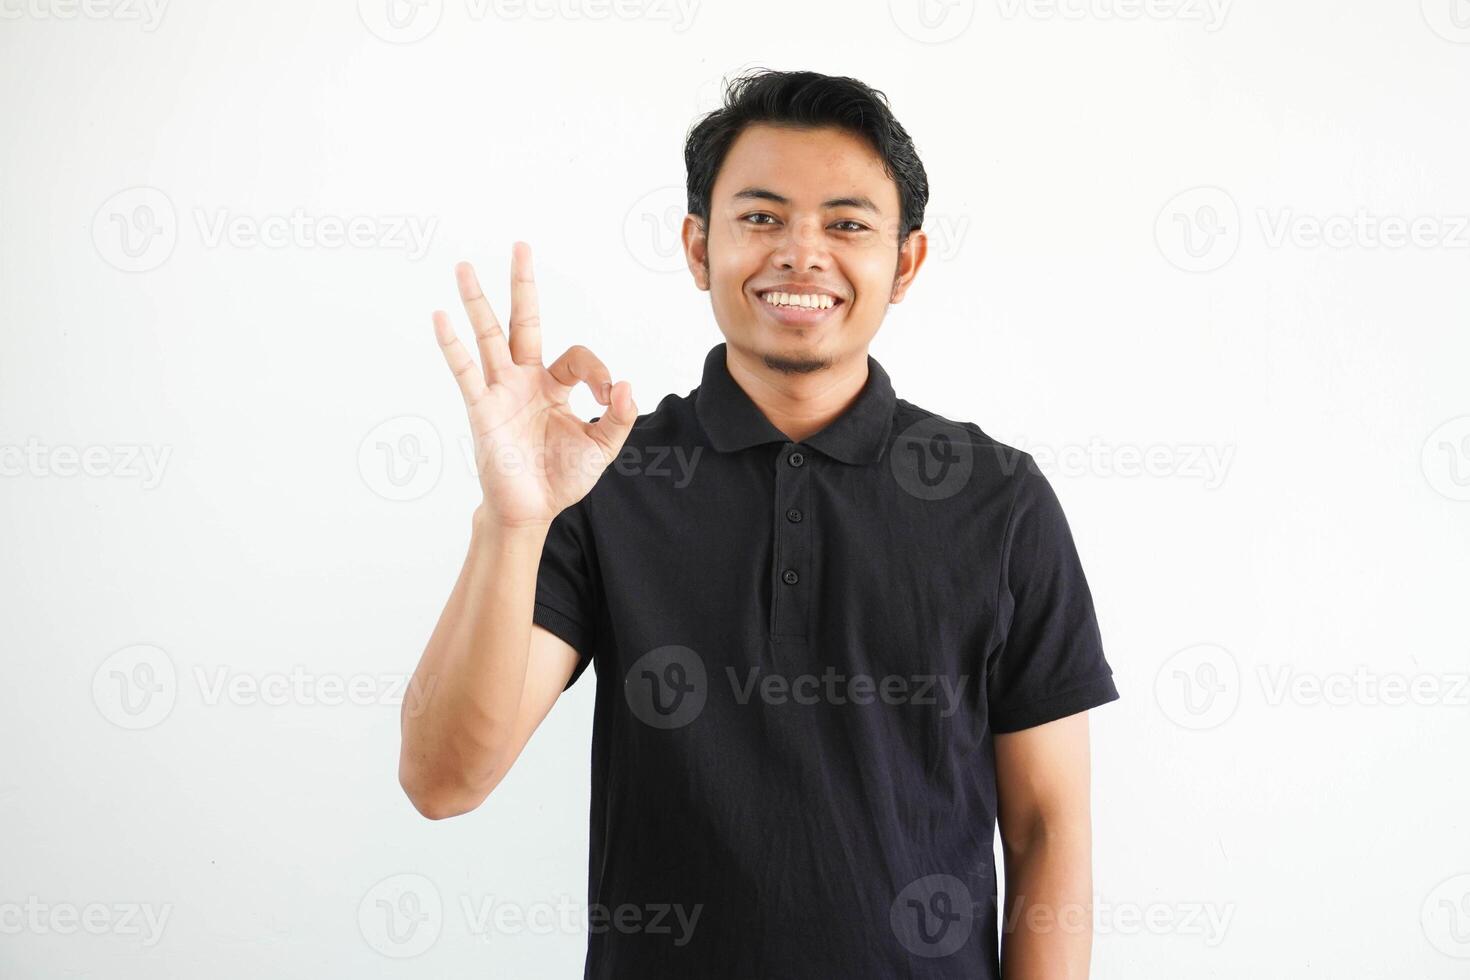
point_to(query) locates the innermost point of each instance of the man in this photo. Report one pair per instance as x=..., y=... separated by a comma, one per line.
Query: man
x=837, y=637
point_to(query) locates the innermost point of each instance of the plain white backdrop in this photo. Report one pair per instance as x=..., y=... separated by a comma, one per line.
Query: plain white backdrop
x=1206, y=259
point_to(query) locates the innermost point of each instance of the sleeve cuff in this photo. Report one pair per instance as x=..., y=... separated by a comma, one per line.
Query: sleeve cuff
x=568, y=629
x=1098, y=691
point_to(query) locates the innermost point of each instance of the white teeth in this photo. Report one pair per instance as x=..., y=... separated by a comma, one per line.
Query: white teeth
x=811, y=301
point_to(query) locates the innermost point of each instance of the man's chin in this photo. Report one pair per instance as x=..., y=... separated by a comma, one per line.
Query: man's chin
x=790, y=352
x=795, y=362
x=790, y=355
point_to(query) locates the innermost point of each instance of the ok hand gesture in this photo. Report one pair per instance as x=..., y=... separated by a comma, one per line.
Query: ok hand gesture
x=534, y=456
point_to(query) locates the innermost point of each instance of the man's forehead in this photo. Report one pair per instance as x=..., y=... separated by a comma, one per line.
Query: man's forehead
x=833, y=168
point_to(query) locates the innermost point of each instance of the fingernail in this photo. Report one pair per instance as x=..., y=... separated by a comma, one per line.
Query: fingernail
x=606, y=390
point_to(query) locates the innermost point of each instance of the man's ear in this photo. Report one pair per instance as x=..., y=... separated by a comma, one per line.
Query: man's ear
x=911, y=255
x=696, y=250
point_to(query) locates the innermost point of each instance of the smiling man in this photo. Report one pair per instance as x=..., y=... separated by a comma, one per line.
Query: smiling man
x=851, y=638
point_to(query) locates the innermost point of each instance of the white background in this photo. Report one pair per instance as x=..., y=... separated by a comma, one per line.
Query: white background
x=1122, y=262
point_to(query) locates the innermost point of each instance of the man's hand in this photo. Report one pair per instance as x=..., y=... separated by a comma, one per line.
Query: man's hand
x=535, y=457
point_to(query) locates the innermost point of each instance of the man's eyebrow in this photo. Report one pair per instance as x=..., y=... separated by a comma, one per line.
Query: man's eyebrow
x=762, y=194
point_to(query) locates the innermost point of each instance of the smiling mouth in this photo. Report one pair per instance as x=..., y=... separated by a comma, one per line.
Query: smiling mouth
x=798, y=308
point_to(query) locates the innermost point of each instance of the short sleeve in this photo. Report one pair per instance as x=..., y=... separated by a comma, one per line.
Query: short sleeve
x=566, y=584
x=1049, y=662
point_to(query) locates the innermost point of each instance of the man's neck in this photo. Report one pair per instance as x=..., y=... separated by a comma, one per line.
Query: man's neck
x=798, y=404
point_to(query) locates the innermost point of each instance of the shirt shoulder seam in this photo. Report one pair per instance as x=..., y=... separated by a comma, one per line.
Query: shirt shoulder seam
x=1003, y=573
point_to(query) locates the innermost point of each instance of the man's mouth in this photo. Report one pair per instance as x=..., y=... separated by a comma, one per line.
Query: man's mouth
x=798, y=308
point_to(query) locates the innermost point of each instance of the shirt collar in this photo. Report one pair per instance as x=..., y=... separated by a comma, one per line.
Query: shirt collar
x=733, y=422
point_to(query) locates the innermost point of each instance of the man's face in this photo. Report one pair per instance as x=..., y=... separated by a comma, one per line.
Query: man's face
x=803, y=211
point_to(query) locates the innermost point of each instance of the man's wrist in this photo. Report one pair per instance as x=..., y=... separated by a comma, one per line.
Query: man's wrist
x=484, y=524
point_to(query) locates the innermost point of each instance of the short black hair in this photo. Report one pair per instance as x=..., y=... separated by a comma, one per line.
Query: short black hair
x=805, y=98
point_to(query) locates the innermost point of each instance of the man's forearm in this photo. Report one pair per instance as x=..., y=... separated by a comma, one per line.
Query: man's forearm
x=1047, y=929
x=459, y=715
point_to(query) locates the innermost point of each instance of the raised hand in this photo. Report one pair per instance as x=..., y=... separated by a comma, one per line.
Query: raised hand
x=535, y=457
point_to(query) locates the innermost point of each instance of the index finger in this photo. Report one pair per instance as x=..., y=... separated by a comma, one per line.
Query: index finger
x=525, y=307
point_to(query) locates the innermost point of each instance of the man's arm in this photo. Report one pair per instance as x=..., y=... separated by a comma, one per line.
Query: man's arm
x=1043, y=781
x=488, y=676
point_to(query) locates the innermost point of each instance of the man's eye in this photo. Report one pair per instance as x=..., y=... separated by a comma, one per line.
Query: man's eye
x=756, y=216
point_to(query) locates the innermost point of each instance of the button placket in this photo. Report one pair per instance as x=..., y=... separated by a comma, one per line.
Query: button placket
x=790, y=584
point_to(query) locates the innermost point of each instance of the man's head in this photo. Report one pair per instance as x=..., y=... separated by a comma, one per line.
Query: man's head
x=805, y=184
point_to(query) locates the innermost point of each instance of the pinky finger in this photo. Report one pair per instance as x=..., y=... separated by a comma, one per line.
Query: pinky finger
x=466, y=372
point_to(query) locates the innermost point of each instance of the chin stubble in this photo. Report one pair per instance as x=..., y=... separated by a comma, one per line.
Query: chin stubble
x=795, y=365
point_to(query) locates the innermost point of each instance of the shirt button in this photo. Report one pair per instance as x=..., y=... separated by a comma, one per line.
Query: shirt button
x=796, y=459
x=794, y=515
x=790, y=577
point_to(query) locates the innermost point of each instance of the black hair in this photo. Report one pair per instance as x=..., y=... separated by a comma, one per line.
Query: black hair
x=808, y=99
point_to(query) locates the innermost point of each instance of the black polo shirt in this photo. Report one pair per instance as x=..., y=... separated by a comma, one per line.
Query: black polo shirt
x=803, y=650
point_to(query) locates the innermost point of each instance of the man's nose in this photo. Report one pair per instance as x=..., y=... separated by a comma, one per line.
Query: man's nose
x=805, y=246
